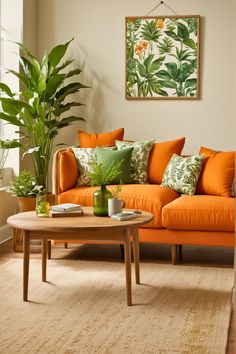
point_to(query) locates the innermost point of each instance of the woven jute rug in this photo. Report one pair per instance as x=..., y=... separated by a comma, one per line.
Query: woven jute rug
x=82, y=309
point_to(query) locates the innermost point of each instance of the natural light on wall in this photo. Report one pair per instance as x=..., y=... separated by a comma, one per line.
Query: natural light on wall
x=11, y=31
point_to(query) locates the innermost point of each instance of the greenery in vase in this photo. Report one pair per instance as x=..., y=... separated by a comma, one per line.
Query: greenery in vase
x=5, y=145
x=25, y=185
x=116, y=191
x=38, y=110
x=101, y=177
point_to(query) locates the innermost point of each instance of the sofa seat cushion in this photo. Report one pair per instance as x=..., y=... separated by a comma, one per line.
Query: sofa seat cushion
x=151, y=198
x=200, y=212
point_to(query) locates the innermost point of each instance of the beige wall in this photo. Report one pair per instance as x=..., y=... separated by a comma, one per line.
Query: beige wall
x=99, y=30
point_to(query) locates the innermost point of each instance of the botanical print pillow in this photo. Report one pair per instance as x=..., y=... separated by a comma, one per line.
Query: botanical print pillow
x=84, y=157
x=139, y=158
x=182, y=173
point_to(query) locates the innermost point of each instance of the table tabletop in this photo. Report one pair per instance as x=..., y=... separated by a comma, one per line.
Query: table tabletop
x=29, y=221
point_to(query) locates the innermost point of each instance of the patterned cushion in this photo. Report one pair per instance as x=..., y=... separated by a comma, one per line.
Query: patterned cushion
x=84, y=157
x=139, y=158
x=182, y=173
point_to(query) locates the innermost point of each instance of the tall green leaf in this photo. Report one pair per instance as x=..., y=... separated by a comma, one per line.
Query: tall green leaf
x=67, y=90
x=4, y=88
x=57, y=53
x=11, y=119
x=66, y=107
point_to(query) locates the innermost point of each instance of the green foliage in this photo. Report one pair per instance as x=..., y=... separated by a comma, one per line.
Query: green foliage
x=192, y=25
x=25, y=185
x=5, y=145
x=150, y=32
x=116, y=191
x=166, y=46
x=9, y=144
x=39, y=109
x=100, y=176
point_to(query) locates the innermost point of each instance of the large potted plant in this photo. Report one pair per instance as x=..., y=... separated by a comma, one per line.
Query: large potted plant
x=38, y=111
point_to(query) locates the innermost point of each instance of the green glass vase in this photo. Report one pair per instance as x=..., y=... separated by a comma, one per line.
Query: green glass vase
x=100, y=201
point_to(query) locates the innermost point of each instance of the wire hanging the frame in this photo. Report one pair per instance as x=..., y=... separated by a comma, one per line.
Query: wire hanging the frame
x=159, y=4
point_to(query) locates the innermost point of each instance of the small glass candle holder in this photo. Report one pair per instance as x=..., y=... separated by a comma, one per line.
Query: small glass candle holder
x=42, y=206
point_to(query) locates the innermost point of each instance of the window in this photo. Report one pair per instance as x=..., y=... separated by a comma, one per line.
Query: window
x=11, y=22
x=1, y=58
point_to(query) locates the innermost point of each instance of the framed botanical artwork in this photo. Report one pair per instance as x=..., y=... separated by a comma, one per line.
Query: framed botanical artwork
x=162, y=57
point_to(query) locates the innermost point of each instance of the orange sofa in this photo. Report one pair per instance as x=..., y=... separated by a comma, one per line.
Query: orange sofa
x=201, y=219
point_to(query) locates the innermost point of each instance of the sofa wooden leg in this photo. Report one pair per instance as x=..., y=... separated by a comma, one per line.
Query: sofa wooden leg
x=66, y=244
x=180, y=247
x=174, y=254
x=49, y=249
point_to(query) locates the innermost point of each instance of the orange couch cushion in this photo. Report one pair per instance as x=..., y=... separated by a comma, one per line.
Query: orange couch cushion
x=200, y=212
x=217, y=173
x=146, y=197
x=159, y=157
x=67, y=170
x=87, y=140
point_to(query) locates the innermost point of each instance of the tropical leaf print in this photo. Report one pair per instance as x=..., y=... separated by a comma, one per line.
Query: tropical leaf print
x=166, y=46
x=139, y=158
x=162, y=57
x=182, y=173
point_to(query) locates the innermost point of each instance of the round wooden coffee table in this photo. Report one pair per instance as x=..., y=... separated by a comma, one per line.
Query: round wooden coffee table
x=82, y=228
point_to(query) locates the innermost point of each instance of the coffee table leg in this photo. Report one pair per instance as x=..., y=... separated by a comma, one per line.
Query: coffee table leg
x=49, y=249
x=136, y=255
x=26, y=256
x=128, y=267
x=44, y=259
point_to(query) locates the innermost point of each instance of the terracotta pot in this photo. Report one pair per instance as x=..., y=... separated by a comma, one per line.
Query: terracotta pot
x=26, y=204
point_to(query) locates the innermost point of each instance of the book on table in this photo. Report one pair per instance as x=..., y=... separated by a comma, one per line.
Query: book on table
x=66, y=208
x=124, y=216
x=59, y=214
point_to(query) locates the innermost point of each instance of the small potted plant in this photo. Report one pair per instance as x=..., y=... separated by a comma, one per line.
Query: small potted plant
x=101, y=177
x=25, y=188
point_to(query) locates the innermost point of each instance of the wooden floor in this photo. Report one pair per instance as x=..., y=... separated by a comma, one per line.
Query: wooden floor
x=201, y=256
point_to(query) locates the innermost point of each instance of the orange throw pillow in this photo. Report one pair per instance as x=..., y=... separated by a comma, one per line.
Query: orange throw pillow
x=217, y=174
x=87, y=140
x=68, y=170
x=160, y=156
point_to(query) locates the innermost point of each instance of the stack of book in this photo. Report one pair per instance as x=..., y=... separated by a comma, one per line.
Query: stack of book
x=67, y=209
x=125, y=215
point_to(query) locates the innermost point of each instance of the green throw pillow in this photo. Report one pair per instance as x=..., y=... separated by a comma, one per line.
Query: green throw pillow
x=106, y=157
x=139, y=158
x=182, y=173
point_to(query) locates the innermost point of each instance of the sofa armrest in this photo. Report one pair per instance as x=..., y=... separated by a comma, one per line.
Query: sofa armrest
x=64, y=171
